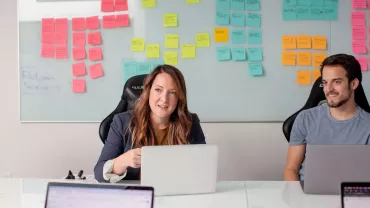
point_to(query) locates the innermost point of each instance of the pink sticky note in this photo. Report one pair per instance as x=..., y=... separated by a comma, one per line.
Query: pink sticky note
x=47, y=38
x=79, y=53
x=122, y=20
x=358, y=18
x=79, y=38
x=78, y=23
x=359, y=4
x=61, y=52
x=363, y=63
x=96, y=71
x=95, y=54
x=121, y=5
x=61, y=31
x=92, y=23
x=47, y=50
x=79, y=85
x=94, y=38
x=359, y=32
x=78, y=69
x=47, y=30
x=359, y=47
x=107, y=5
x=109, y=21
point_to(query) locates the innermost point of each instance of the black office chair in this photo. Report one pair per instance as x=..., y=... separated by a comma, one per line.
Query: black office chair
x=317, y=97
x=131, y=92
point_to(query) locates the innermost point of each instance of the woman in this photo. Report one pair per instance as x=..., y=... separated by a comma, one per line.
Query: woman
x=160, y=117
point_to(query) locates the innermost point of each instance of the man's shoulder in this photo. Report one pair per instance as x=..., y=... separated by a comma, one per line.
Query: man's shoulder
x=365, y=116
x=314, y=112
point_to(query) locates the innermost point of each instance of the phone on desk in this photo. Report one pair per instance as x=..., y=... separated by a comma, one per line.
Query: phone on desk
x=355, y=194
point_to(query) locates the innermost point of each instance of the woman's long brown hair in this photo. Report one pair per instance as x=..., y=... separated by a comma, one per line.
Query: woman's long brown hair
x=180, y=119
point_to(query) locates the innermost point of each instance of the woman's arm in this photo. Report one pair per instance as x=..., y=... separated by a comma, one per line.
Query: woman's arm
x=196, y=133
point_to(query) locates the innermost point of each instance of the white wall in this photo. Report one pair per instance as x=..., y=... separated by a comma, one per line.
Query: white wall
x=42, y=150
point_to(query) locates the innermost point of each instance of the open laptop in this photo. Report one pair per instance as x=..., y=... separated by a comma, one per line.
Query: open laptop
x=327, y=166
x=77, y=195
x=355, y=194
x=180, y=169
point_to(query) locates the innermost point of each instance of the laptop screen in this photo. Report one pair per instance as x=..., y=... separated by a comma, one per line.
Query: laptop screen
x=91, y=197
x=356, y=197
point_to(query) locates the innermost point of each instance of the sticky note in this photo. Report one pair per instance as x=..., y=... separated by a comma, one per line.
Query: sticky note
x=254, y=20
x=170, y=20
x=222, y=5
x=152, y=51
x=172, y=41
x=148, y=3
x=363, y=63
x=61, y=52
x=61, y=31
x=332, y=2
x=358, y=4
x=254, y=54
x=238, y=54
x=95, y=54
x=156, y=63
x=144, y=67
x=94, y=38
x=122, y=20
x=222, y=18
x=359, y=47
x=238, y=37
x=316, y=74
x=188, y=51
x=304, y=2
x=317, y=2
x=304, y=41
x=223, y=53
x=47, y=30
x=319, y=42
x=79, y=85
x=316, y=12
x=289, y=13
x=96, y=71
x=330, y=13
x=238, y=19
x=202, y=40
x=107, y=6
x=221, y=35
x=78, y=69
x=79, y=38
x=254, y=37
x=121, y=5
x=317, y=59
x=289, y=42
x=79, y=53
x=130, y=68
x=137, y=44
x=303, y=77
x=288, y=58
x=289, y=2
x=358, y=18
x=109, y=21
x=359, y=32
x=304, y=58
x=92, y=23
x=255, y=68
x=303, y=12
x=192, y=1
x=237, y=5
x=78, y=23
x=47, y=50
x=170, y=57
x=252, y=5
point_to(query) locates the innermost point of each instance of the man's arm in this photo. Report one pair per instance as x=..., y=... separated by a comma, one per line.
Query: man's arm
x=294, y=161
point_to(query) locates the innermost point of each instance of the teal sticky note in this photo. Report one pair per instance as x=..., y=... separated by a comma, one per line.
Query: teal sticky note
x=223, y=5
x=237, y=4
x=254, y=20
x=254, y=37
x=289, y=13
x=238, y=37
x=144, y=67
x=222, y=18
x=129, y=70
x=238, y=54
x=303, y=12
x=254, y=54
x=330, y=13
x=238, y=19
x=289, y=2
x=252, y=5
x=303, y=2
x=316, y=13
x=156, y=63
x=331, y=3
x=317, y=2
x=223, y=53
x=255, y=68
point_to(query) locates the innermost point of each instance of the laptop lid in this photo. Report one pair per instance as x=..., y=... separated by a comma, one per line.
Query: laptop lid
x=355, y=194
x=77, y=195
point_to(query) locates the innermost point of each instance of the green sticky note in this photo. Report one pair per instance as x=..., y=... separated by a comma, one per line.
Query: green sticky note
x=331, y=3
x=237, y=5
x=192, y=1
x=330, y=13
x=144, y=67
x=238, y=54
x=289, y=2
x=252, y=5
x=316, y=13
x=238, y=19
x=129, y=70
x=255, y=68
x=254, y=20
x=289, y=13
x=156, y=63
x=222, y=18
x=238, y=37
x=254, y=37
x=254, y=54
x=303, y=2
x=317, y=2
x=223, y=5
x=223, y=53
x=303, y=12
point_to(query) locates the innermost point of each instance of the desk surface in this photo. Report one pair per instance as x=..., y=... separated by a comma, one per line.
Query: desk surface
x=30, y=193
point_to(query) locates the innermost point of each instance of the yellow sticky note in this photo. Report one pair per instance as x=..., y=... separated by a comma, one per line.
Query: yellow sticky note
x=202, y=40
x=170, y=57
x=319, y=42
x=221, y=35
x=170, y=20
x=304, y=41
x=316, y=74
x=304, y=58
x=188, y=51
x=289, y=42
x=289, y=58
x=152, y=51
x=317, y=59
x=137, y=44
x=148, y=3
x=172, y=41
x=303, y=77
x=192, y=1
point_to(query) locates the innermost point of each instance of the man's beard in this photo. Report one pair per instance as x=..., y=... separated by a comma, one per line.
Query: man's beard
x=339, y=103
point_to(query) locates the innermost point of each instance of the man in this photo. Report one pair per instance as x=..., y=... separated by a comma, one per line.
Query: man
x=339, y=121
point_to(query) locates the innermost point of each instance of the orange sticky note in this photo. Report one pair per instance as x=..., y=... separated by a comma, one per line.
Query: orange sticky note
x=78, y=23
x=317, y=59
x=289, y=42
x=316, y=74
x=61, y=52
x=61, y=31
x=79, y=53
x=47, y=30
x=78, y=85
x=96, y=71
x=79, y=69
x=92, y=23
x=121, y=5
x=303, y=77
x=289, y=58
x=221, y=35
x=319, y=42
x=79, y=39
x=304, y=59
x=94, y=38
x=304, y=41
x=47, y=50
x=95, y=54
x=107, y=5
x=109, y=21
x=122, y=20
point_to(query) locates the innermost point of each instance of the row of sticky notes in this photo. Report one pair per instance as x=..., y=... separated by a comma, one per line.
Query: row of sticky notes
x=359, y=4
x=251, y=5
x=304, y=76
x=54, y=51
x=363, y=62
x=310, y=3
x=238, y=19
x=95, y=70
x=54, y=31
x=310, y=13
x=304, y=59
x=223, y=53
x=94, y=53
x=202, y=40
x=238, y=36
x=114, y=5
x=304, y=41
x=93, y=38
x=133, y=68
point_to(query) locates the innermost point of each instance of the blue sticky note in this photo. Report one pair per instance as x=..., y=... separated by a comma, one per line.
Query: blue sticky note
x=223, y=53
x=254, y=54
x=317, y=2
x=303, y=2
x=289, y=13
x=238, y=54
x=222, y=18
x=144, y=67
x=156, y=63
x=316, y=13
x=238, y=19
x=255, y=68
x=254, y=20
x=238, y=37
x=303, y=12
x=289, y=2
x=129, y=70
x=331, y=3
x=252, y=5
x=254, y=37
x=330, y=13
x=223, y=5
x=237, y=4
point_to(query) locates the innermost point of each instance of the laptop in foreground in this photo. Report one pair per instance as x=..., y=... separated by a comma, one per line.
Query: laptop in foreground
x=355, y=194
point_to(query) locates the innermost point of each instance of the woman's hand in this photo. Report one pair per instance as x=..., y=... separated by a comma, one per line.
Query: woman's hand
x=132, y=158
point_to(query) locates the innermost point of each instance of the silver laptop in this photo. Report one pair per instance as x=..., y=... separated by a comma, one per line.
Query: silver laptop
x=180, y=169
x=77, y=195
x=327, y=166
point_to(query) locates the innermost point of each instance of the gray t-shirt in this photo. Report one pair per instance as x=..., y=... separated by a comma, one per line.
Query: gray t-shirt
x=317, y=126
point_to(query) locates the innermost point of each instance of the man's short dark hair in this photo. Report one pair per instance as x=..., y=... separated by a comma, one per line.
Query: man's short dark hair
x=348, y=62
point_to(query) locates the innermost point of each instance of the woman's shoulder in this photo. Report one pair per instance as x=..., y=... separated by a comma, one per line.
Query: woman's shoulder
x=194, y=118
x=123, y=119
